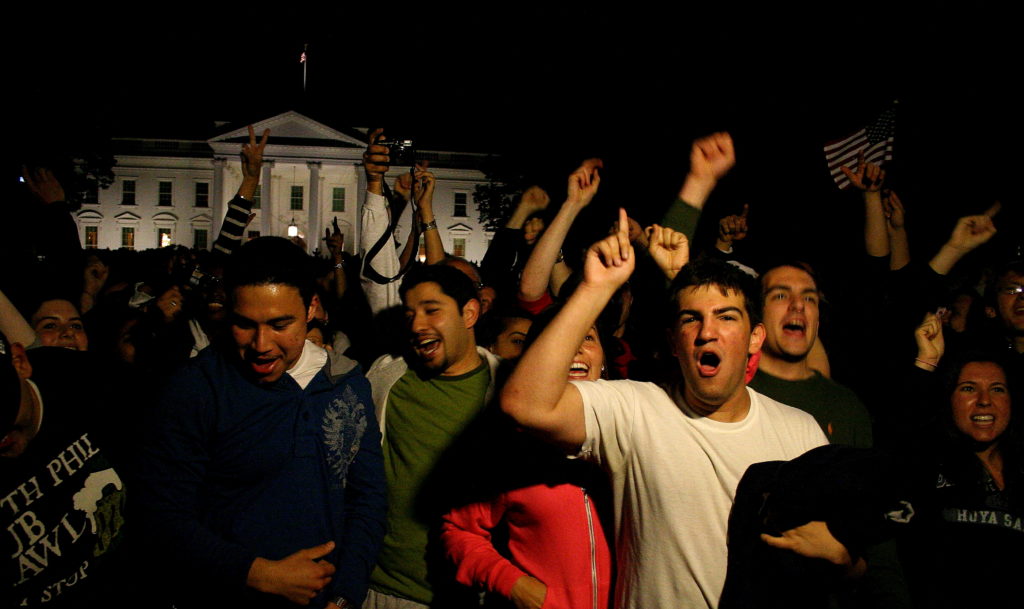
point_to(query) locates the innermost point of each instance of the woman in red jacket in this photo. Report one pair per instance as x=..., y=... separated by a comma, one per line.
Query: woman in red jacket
x=558, y=556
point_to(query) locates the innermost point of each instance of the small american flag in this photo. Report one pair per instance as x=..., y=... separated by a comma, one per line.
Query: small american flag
x=874, y=140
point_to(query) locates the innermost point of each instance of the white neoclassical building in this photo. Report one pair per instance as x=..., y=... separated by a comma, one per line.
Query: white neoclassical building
x=171, y=191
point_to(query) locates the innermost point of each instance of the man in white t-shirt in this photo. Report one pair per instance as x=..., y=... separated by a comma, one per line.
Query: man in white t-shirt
x=674, y=459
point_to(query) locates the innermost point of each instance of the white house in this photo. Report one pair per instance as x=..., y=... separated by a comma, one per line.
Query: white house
x=176, y=191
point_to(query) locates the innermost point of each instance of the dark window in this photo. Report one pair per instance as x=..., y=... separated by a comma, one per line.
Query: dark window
x=128, y=192
x=164, y=195
x=256, y=197
x=296, y=197
x=199, y=240
x=202, y=194
x=253, y=234
x=460, y=205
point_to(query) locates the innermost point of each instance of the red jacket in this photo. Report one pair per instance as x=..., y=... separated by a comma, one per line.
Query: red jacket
x=554, y=535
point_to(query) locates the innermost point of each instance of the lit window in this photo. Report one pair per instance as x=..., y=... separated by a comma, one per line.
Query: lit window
x=128, y=192
x=460, y=205
x=253, y=234
x=128, y=237
x=338, y=199
x=92, y=237
x=296, y=197
x=199, y=239
x=459, y=247
x=163, y=237
x=164, y=195
x=202, y=194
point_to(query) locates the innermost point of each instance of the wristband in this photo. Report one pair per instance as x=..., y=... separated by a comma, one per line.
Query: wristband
x=342, y=603
x=432, y=225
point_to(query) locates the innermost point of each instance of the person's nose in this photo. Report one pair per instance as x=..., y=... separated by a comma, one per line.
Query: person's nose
x=261, y=339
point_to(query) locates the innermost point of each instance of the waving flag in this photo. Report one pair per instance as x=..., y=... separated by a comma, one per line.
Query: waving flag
x=875, y=141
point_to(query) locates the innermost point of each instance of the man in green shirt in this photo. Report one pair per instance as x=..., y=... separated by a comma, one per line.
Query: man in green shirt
x=424, y=402
x=785, y=372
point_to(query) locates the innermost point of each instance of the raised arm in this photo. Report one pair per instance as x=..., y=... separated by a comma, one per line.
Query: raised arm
x=895, y=224
x=240, y=208
x=711, y=158
x=538, y=394
x=533, y=200
x=869, y=178
x=969, y=233
x=583, y=185
x=335, y=242
x=420, y=189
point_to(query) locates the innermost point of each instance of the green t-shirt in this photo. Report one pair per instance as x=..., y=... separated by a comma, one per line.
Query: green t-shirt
x=424, y=417
x=842, y=416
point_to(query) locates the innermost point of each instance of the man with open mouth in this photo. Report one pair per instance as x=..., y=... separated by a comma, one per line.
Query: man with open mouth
x=262, y=479
x=674, y=457
x=791, y=312
x=425, y=401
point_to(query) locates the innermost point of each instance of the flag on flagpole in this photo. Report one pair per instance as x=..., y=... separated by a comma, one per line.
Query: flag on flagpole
x=874, y=140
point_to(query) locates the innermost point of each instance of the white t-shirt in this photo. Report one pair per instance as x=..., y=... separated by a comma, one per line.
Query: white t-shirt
x=674, y=476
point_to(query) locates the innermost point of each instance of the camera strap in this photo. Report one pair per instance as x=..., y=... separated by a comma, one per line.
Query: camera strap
x=368, y=271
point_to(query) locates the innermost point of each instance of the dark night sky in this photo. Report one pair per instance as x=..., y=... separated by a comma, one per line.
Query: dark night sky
x=547, y=86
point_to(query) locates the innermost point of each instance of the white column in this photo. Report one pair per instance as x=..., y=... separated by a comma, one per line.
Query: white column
x=266, y=201
x=314, y=231
x=219, y=209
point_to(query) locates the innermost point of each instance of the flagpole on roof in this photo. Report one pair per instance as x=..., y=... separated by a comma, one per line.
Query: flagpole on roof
x=304, y=61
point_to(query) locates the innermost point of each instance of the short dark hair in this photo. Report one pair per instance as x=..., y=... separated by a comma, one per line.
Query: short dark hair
x=707, y=272
x=796, y=264
x=267, y=261
x=1015, y=266
x=453, y=282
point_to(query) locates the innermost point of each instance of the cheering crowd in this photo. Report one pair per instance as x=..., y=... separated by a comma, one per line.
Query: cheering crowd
x=637, y=423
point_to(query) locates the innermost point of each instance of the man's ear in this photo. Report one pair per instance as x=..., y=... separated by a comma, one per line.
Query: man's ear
x=990, y=312
x=314, y=305
x=20, y=360
x=757, y=335
x=471, y=312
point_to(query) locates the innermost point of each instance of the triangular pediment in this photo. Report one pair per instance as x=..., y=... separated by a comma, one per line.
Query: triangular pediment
x=127, y=216
x=201, y=218
x=291, y=129
x=460, y=228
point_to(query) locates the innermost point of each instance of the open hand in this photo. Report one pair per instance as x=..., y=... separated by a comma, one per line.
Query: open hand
x=43, y=185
